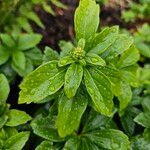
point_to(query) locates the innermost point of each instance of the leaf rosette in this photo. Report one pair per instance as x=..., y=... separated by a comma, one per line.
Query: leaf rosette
x=101, y=65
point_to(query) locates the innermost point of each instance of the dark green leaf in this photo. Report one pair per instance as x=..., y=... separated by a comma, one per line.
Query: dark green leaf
x=104, y=40
x=70, y=112
x=17, y=117
x=129, y=57
x=115, y=78
x=109, y=139
x=44, y=81
x=45, y=145
x=72, y=144
x=17, y=141
x=44, y=127
x=4, y=89
x=73, y=79
x=86, y=19
x=126, y=95
x=122, y=43
x=99, y=88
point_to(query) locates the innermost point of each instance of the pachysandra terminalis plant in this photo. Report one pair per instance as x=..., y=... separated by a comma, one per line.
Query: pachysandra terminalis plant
x=87, y=74
x=20, y=52
x=10, y=119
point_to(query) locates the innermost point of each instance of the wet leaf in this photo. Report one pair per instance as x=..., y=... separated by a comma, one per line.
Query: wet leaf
x=122, y=43
x=129, y=57
x=44, y=81
x=109, y=139
x=126, y=95
x=99, y=88
x=94, y=59
x=65, y=61
x=17, y=117
x=44, y=127
x=103, y=40
x=73, y=79
x=4, y=89
x=70, y=112
x=86, y=19
x=50, y=54
x=17, y=141
x=45, y=145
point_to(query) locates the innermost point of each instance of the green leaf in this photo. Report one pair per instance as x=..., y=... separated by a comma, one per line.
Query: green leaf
x=4, y=89
x=7, y=40
x=81, y=43
x=72, y=144
x=29, y=67
x=126, y=95
x=129, y=57
x=50, y=54
x=129, y=74
x=35, y=55
x=7, y=132
x=42, y=82
x=94, y=59
x=86, y=19
x=4, y=55
x=73, y=79
x=141, y=143
x=24, y=24
x=122, y=43
x=65, y=61
x=70, y=112
x=95, y=121
x=127, y=120
x=27, y=41
x=109, y=139
x=17, y=117
x=144, y=49
x=103, y=40
x=99, y=88
x=3, y=119
x=48, y=8
x=19, y=60
x=44, y=127
x=34, y=17
x=143, y=119
x=17, y=141
x=45, y=145
x=66, y=48
x=115, y=78
x=59, y=4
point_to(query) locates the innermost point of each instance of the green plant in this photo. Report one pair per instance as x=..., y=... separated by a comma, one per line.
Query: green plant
x=142, y=40
x=10, y=138
x=137, y=11
x=21, y=12
x=87, y=74
x=96, y=132
x=20, y=52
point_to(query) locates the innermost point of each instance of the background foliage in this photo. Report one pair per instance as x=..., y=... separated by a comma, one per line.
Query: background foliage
x=86, y=84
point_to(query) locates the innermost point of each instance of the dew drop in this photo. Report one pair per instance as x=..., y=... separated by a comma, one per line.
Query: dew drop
x=94, y=60
x=52, y=88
